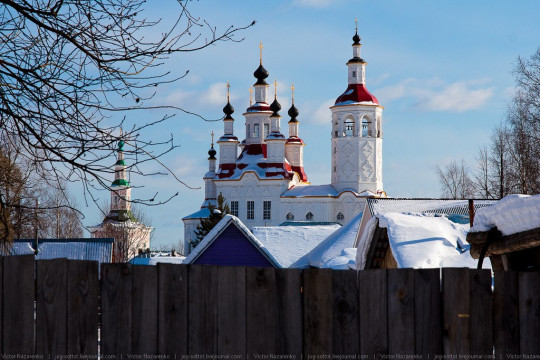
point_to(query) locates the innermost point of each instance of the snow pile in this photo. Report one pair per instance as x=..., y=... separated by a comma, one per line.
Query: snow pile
x=427, y=241
x=289, y=245
x=364, y=242
x=337, y=250
x=512, y=214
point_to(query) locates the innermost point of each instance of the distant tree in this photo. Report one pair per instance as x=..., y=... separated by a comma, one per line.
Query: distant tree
x=70, y=71
x=131, y=232
x=207, y=224
x=455, y=181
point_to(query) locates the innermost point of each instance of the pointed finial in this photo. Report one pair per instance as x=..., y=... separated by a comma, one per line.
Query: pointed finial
x=212, y=134
x=292, y=92
x=261, y=47
x=228, y=91
x=275, y=89
x=356, y=24
x=250, y=95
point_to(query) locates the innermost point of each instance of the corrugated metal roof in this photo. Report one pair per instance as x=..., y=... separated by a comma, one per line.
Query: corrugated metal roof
x=433, y=206
x=96, y=249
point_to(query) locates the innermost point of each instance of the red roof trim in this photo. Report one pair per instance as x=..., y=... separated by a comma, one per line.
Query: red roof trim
x=357, y=93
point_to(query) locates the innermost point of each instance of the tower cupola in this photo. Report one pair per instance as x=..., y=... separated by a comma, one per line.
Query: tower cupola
x=120, y=187
x=228, y=143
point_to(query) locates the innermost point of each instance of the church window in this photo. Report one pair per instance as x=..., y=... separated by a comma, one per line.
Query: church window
x=290, y=216
x=354, y=74
x=266, y=130
x=256, y=130
x=349, y=127
x=335, y=150
x=250, y=210
x=234, y=208
x=366, y=131
x=340, y=216
x=267, y=210
x=248, y=133
x=334, y=168
x=309, y=216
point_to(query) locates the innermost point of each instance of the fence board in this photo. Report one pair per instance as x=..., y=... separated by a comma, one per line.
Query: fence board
x=116, y=309
x=317, y=287
x=82, y=304
x=481, y=312
x=173, y=309
x=202, y=309
x=1, y=303
x=145, y=310
x=372, y=290
x=456, y=304
x=288, y=283
x=51, y=307
x=262, y=309
x=506, y=314
x=231, y=339
x=401, y=311
x=19, y=294
x=427, y=313
x=529, y=313
x=345, y=313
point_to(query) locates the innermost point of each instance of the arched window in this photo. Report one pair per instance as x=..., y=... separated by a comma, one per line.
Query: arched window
x=366, y=129
x=290, y=216
x=340, y=216
x=349, y=127
x=309, y=216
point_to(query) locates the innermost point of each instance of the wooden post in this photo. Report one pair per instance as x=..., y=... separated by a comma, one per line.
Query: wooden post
x=345, y=313
x=372, y=290
x=317, y=307
x=145, y=310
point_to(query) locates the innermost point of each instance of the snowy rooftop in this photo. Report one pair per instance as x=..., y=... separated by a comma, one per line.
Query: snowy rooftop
x=289, y=245
x=154, y=260
x=427, y=241
x=337, y=250
x=512, y=214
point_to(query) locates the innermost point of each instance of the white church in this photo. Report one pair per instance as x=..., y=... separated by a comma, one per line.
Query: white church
x=263, y=178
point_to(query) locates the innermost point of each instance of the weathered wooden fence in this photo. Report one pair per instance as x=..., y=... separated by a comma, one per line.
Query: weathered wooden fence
x=255, y=313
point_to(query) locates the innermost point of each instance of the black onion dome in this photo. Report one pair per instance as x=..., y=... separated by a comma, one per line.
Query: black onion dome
x=228, y=110
x=212, y=153
x=356, y=39
x=293, y=113
x=261, y=73
x=275, y=106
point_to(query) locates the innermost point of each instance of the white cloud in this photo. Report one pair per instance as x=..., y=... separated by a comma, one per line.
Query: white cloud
x=434, y=95
x=216, y=94
x=322, y=113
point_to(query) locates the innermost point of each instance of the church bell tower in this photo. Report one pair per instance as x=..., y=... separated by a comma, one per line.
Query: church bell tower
x=357, y=132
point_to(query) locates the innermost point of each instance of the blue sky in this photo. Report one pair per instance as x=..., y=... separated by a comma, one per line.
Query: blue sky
x=441, y=69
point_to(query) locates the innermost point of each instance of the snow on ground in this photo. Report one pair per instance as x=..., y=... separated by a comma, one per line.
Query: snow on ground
x=427, y=241
x=512, y=214
x=289, y=245
x=337, y=250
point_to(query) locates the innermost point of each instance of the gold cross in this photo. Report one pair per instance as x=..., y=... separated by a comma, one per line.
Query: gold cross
x=356, y=24
x=292, y=91
x=228, y=89
x=261, y=47
x=250, y=99
x=212, y=133
x=275, y=89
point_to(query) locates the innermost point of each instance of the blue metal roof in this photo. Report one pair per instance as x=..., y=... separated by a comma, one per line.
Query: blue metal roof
x=97, y=249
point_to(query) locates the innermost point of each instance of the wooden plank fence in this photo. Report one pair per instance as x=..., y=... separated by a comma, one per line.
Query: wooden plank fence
x=60, y=307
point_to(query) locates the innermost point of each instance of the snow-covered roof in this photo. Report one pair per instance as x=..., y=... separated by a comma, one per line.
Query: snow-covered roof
x=218, y=229
x=154, y=260
x=337, y=250
x=427, y=241
x=290, y=245
x=512, y=214
x=327, y=190
x=434, y=206
x=200, y=214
